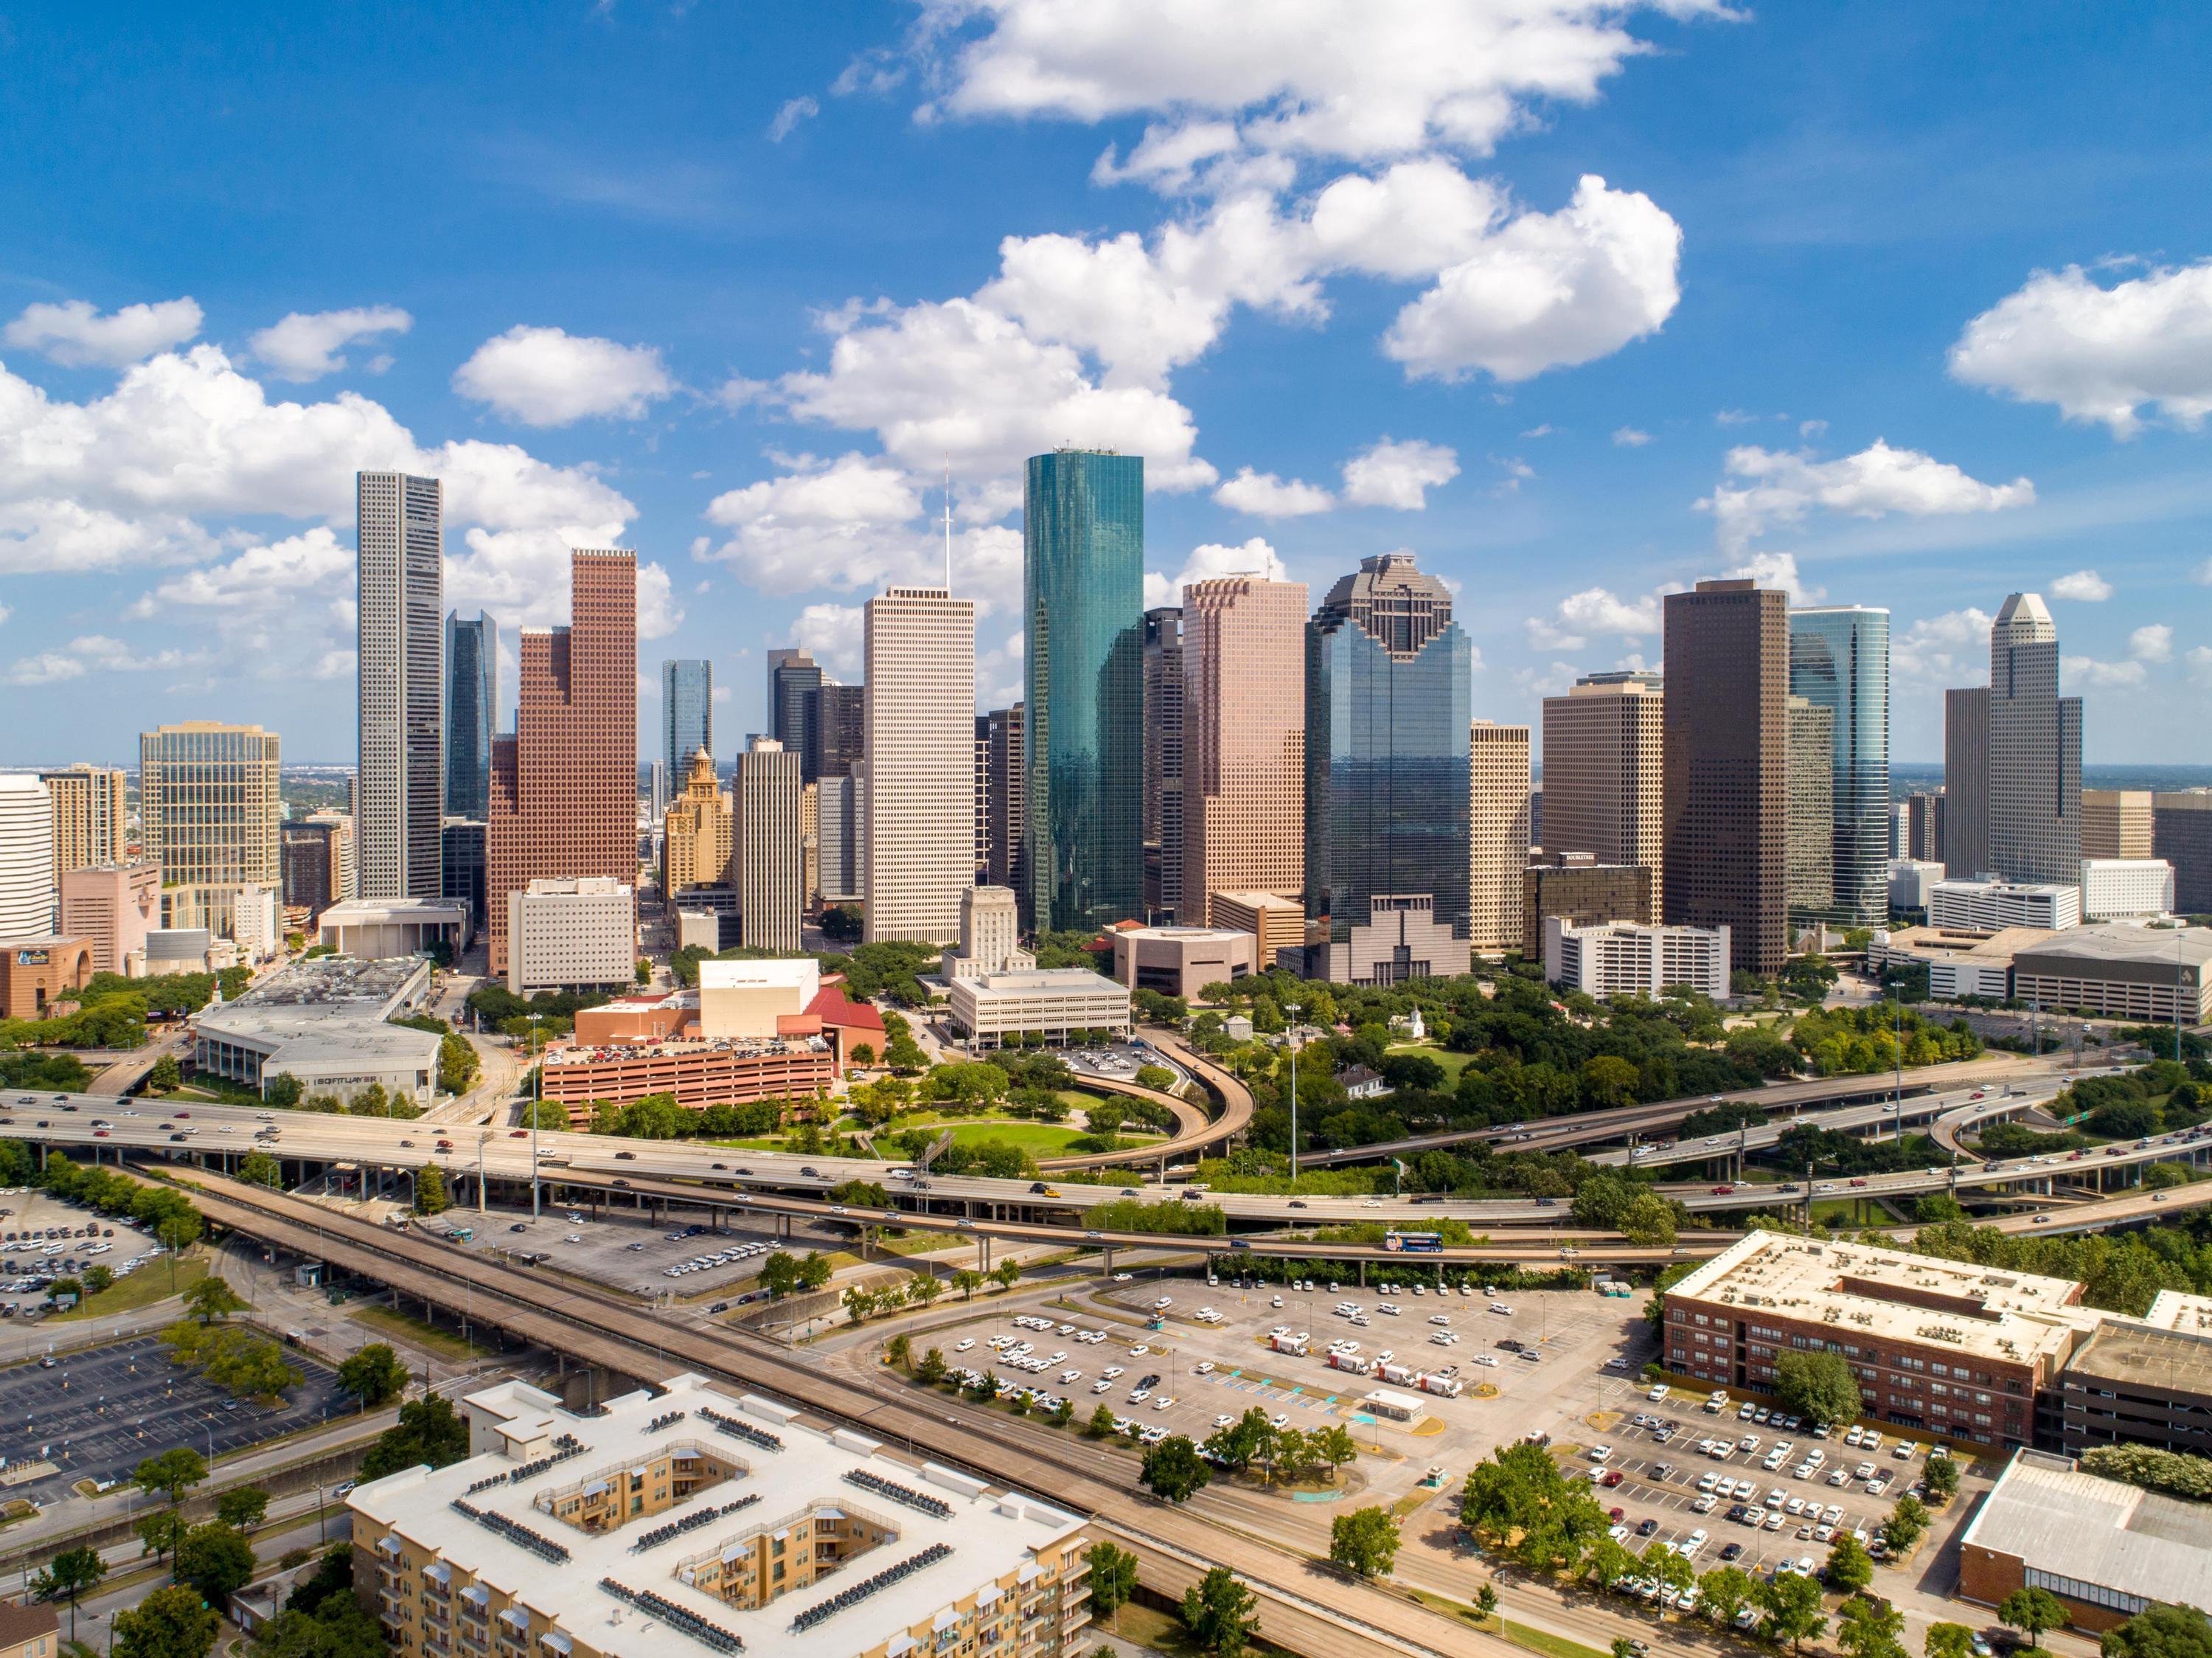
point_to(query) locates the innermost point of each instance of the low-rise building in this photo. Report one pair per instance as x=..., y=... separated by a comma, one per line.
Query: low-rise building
x=1912, y=883
x=375, y=929
x=1619, y=958
x=38, y=973
x=1582, y=892
x=1053, y=1003
x=571, y=935
x=2144, y=1382
x=694, y=1521
x=1987, y=905
x=327, y=1021
x=2154, y=974
x=1181, y=960
x=2115, y=889
x=1278, y=923
x=112, y=907
x=1960, y=962
x=32, y=1630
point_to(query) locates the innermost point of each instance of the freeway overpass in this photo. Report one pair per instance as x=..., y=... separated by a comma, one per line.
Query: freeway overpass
x=1919, y=1111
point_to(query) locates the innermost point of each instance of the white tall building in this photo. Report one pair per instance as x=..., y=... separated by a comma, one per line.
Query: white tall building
x=1622, y=958
x=2035, y=750
x=402, y=696
x=918, y=816
x=2115, y=888
x=1987, y=905
x=571, y=935
x=27, y=857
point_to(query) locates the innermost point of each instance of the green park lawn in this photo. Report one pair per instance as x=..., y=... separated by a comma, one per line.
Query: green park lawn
x=143, y=1289
x=1454, y=1063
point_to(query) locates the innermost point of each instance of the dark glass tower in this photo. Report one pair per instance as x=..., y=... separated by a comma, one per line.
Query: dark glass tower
x=1083, y=565
x=471, y=713
x=794, y=708
x=687, y=713
x=1839, y=660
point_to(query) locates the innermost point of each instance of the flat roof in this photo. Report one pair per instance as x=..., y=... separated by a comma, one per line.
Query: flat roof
x=1036, y=981
x=2048, y=1514
x=1962, y=943
x=360, y=910
x=336, y=984
x=1889, y=1295
x=2164, y=947
x=2178, y=1309
x=991, y=1532
x=786, y=973
x=2137, y=1351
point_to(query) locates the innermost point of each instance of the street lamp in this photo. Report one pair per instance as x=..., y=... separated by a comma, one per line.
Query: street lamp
x=1294, y=1010
x=537, y=1096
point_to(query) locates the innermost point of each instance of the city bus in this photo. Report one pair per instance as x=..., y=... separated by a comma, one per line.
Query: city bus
x=1413, y=1243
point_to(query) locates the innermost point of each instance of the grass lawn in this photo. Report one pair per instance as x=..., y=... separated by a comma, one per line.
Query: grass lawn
x=1454, y=1063
x=409, y=1328
x=149, y=1284
x=1164, y=1633
x=1521, y=1635
x=1038, y=1139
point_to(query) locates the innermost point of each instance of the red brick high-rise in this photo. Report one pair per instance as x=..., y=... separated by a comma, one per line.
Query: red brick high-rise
x=564, y=785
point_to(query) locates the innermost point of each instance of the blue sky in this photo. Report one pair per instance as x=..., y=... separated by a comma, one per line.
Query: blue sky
x=1899, y=305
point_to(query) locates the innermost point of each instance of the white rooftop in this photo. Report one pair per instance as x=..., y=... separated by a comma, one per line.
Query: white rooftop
x=800, y=974
x=2047, y=1514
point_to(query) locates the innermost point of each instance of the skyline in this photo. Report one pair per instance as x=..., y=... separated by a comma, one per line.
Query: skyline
x=625, y=348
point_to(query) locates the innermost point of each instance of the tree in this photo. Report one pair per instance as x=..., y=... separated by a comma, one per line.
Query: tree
x=2162, y=1632
x=1942, y=1477
x=1907, y=1521
x=899, y=1350
x=1870, y=1629
x=1793, y=1606
x=966, y=1281
x=1174, y=1471
x=864, y=1053
x=1948, y=1640
x=372, y=1375
x=72, y=1288
x=1333, y=1446
x=283, y=1090
x=217, y=1560
x=1008, y=1273
x=1102, y=1425
x=1610, y=1080
x=815, y=1271
x=2031, y=1610
x=1365, y=1541
x=1648, y=1221
x=160, y=1532
x=1485, y=1602
x=427, y=1434
x=212, y=1298
x=97, y=1278
x=169, y=1474
x=169, y=1622
x=1156, y=1077
x=166, y=1076
x=1819, y=1387
x=779, y=1274
x=1725, y=1592
x=1669, y=1569
x=1849, y=1568
x=858, y=1302
x=67, y=1577
x=430, y=1190
x=458, y=1063
x=931, y=1368
x=1112, y=1577
x=1521, y=1504
x=1218, y=1610
x=241, y=1508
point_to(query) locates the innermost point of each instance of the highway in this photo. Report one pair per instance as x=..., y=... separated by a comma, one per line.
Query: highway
x=1925, y=1110
x=1195, y=1132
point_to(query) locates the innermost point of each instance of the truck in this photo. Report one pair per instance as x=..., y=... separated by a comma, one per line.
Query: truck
x=1448, y=1386
x=1351, y=1362
x=1401, y=1375
x=1289, y=1344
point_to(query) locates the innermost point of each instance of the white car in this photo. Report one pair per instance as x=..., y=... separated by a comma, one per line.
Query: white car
x=1438, y=1318
x=1601, y=1454
x=1101, y=1387
x=1163, y=1303
x=1654, y=1396
x=1067, y=1376
x=1112, y=1373
x=1500, y=1307
x=1488, y=1359
x=964, y=1344
x=1204, y=1368
x=1162, y=1401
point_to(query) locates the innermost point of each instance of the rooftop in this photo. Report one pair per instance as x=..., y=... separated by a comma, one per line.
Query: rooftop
x=2135, y=1350
x=2165, y=946
x=2047, y=1514
x=1958, y=942
x=355, y=910
x=786, y=1469
x=1038, y=981
x=2177, y=1309
x=335, y=986
x=1887, y=1295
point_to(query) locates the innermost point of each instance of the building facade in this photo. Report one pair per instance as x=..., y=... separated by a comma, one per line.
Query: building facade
x=571, y=935
x=27, y=857
x=1728, y=767
x=2035, y=749
x=1083, y=550
x=919, y=814
x=1924, y=823
x=91, y=825
x=842, y=727
x=208, y=812
x=2116, y=888
x=1241, y=752
x=1605, y=770
x=313, y=870
x=1499, y=837
x=472, y=712
x=402, y=681
x=1581, y=892
x=1966, y=782
x=1986, y=906
x=2140, y=974
x=794, y=707
x=1181, y=960
x=990, y=935
x=1839, y=660
x=112, y=907
x=768, y=865
x=467, y=870
x=1164, y=695
x=837, y=839
x=1620, y=958
x=2117, y=823
x=699, y=831
x=1276, y=920
x=1056, y=1003
x=1006, y=816
x=687, y=711
x=1812, y=856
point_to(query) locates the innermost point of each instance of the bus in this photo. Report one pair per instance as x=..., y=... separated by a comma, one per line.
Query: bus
x=1413, y=1243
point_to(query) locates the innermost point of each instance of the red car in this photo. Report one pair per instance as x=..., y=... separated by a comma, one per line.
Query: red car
x=1858, y=1182
x=100, y=1134
x=1616, y=1514
x=1611, y=1478
x=1722, y=1191
x=518, y=1134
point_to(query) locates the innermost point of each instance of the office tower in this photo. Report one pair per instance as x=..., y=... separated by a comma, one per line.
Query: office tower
x=687, y=712
x=1235, y=774
x=564, y=781
x=1387, y=784
x=1497, y=834
x=27, y=856
x=472, y=712
x=1728, y=767
x=401, y=684
x=1604, y=771
x=841, y=727
x=1812, y=838
x=1926, y=811
x=2116, y=823
x=1583, y=893
x=1163, y=830
x=314, y=873
x=91, y=824
x=810, y=843
x=111, y=907
x=794, y=707
x=2181, y=833
x=768, y=864
x=837, y=839
x=982, y=798
x=918, y=816
x=1083, y=561
x=1966, y=782
x=698, y=833
x=656, y=790
x=207, y=812
x=1839, y=660
x=990, y=935
x=340, y=828
x=1004, y=788
x=2035, y=750
x=466, y=876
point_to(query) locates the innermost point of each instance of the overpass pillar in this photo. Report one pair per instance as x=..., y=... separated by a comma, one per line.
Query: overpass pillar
x=1363, y=1271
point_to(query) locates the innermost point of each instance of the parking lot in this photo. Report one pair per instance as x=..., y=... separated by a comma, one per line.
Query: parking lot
x=96, y=1413
x=42, y=1238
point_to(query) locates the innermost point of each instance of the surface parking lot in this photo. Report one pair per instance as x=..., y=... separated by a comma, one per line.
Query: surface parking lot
x=30, y=1259
x=628, y=1249
x=97, y=1412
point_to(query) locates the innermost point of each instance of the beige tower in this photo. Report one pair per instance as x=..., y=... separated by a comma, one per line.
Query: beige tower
x=919, y=817
x=208, y=811
x=1497, y=834
x=697, y=835
x=768, y=864
x=91, y=825
x=2116, y=823
x=1603, y=778
x=1244, y=740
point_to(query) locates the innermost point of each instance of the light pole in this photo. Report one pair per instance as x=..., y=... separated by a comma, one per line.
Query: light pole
x=536, y=1094
x=1294, y=1010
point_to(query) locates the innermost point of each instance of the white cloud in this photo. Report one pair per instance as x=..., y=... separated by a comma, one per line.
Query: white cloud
x=1400, y=474
x=1781, y=485
x=1779, y=569
x=1811, y=428
x=1254, y=558
x=2200, y=664
x=2083, y=585
x=305, y=345
x=94, y=653
x=76, y=333
x=1733, y=418
x=2103, y=676
x=1515, y=471
x=2152, y=642
x=1949, y=649
x=1556, y=680
x=835, y=635
x=546, y=377
x=1594, y=611
x=2099, y=353
x=2203, y=573
x=788, y=117
x=1628, y=437
x=1266, y=496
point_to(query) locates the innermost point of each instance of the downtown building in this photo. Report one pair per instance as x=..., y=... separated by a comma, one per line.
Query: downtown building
x=768, y=864
x=1164, y=696
x=208, y=810
x=1240, y=794
x=1604, y=770
x=2012, y=758
x=471, y=713
x=1499, y=813
x=92, y=825
x=1811, y=856
x=27, y=857
x=687, y=713
x=400, y=810
x=794, y=707
x=916, y=803
x=1839, y=661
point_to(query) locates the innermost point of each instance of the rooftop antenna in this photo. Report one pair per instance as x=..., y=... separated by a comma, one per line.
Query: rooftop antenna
x=948, y=526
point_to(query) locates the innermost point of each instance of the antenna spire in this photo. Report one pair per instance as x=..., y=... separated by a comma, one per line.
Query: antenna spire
x=948, y=526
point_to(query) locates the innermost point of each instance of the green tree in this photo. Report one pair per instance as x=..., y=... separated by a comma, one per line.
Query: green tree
x=815, y=1271
x=160, y=1532
x=169, y=1474
x=372, y=1375
x=1662, y=1565
x=458, y=1063
x=1948, y=1640
x=966, y=1281
x=1520, y=1503
x=1008, y=1273
x=1333, y=1445
x=169, y=1622
x=428, y=1434
x=1485, y=1602
x=242, y=1507
x=1725, y=1592
x=858, y=1302
x=65, y=1287
x=166, y=1076
x=215, y=1559
x=1112, y=1575
x=1101, y=1425
x=1218, y=1612
x=1942, y=1477
x=899, y=1350
x=1819, y=1387
x=779, y=1274
x=430, y=1190
x=97, y=1278
x=2162, y=1632
x=1907, y=1521
x=67, y=1577
x=283, y=1090
x=260, y=1169
x=1173, y=1470
x=1849, y=1568
x=1610, y=1080
x=1158, y=1077
x=212, y=1298
x=1648, y=1221
x=2031, y=1610
x=1794, y=1609
x=1870, y=1629
x=1365, y=1541
x=931, y=1368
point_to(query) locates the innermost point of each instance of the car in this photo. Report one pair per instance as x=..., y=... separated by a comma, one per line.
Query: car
x=519, y=1225
x=1612, y=1477
x=518, y=1134
x=1646, y=1528
x=620, y=1156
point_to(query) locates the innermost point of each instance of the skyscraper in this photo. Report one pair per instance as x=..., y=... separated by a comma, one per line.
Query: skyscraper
x=27, y=857
x=1387, y=780
x=2035, y=750
x=768, y=866
x=1497, y=834
x=1811, y=856
x=1966, y=782
x=687, y=713
x=564, y=781
x=698, y=833
x=1728, y=767
x=208, y=813
x=471, y=713
x=1083, y=553
x=794, y=707
x=841, y=727
x=1163, y=829
x=1008, y=820
x=399, y=523
x=91, y=824
x=1239, y=751
x=918, y=809
x=2116, y=823
x=1839, y=659
x=1605, y=772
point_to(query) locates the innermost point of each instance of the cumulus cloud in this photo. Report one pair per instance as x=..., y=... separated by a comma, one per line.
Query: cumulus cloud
x=2084, y=585
x=837, y=636
x=1779, y=569
x=1392, y=473
x=1254, y=558
x=1628, y=438
x=2099, y=354
x=1949, y=649
x=2152, y=642
x=95, y=653
x=1594, y=611
x=75, y=333
x=848, y=524
x=788, y=117
x=1266, y=496
x=2089, y=673
x=547, y=377
x=2200, y=665
x=1781, y=486
x=305, y=345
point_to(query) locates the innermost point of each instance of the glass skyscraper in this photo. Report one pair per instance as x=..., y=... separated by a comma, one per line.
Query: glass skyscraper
x=687, y=713
x=471, y=713
x=794, y=708
x=1839, y=660
x=1083, y=571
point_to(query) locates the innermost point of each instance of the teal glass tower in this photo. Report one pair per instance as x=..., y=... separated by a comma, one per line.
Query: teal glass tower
x=1839, y=659
x=1083, y=577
